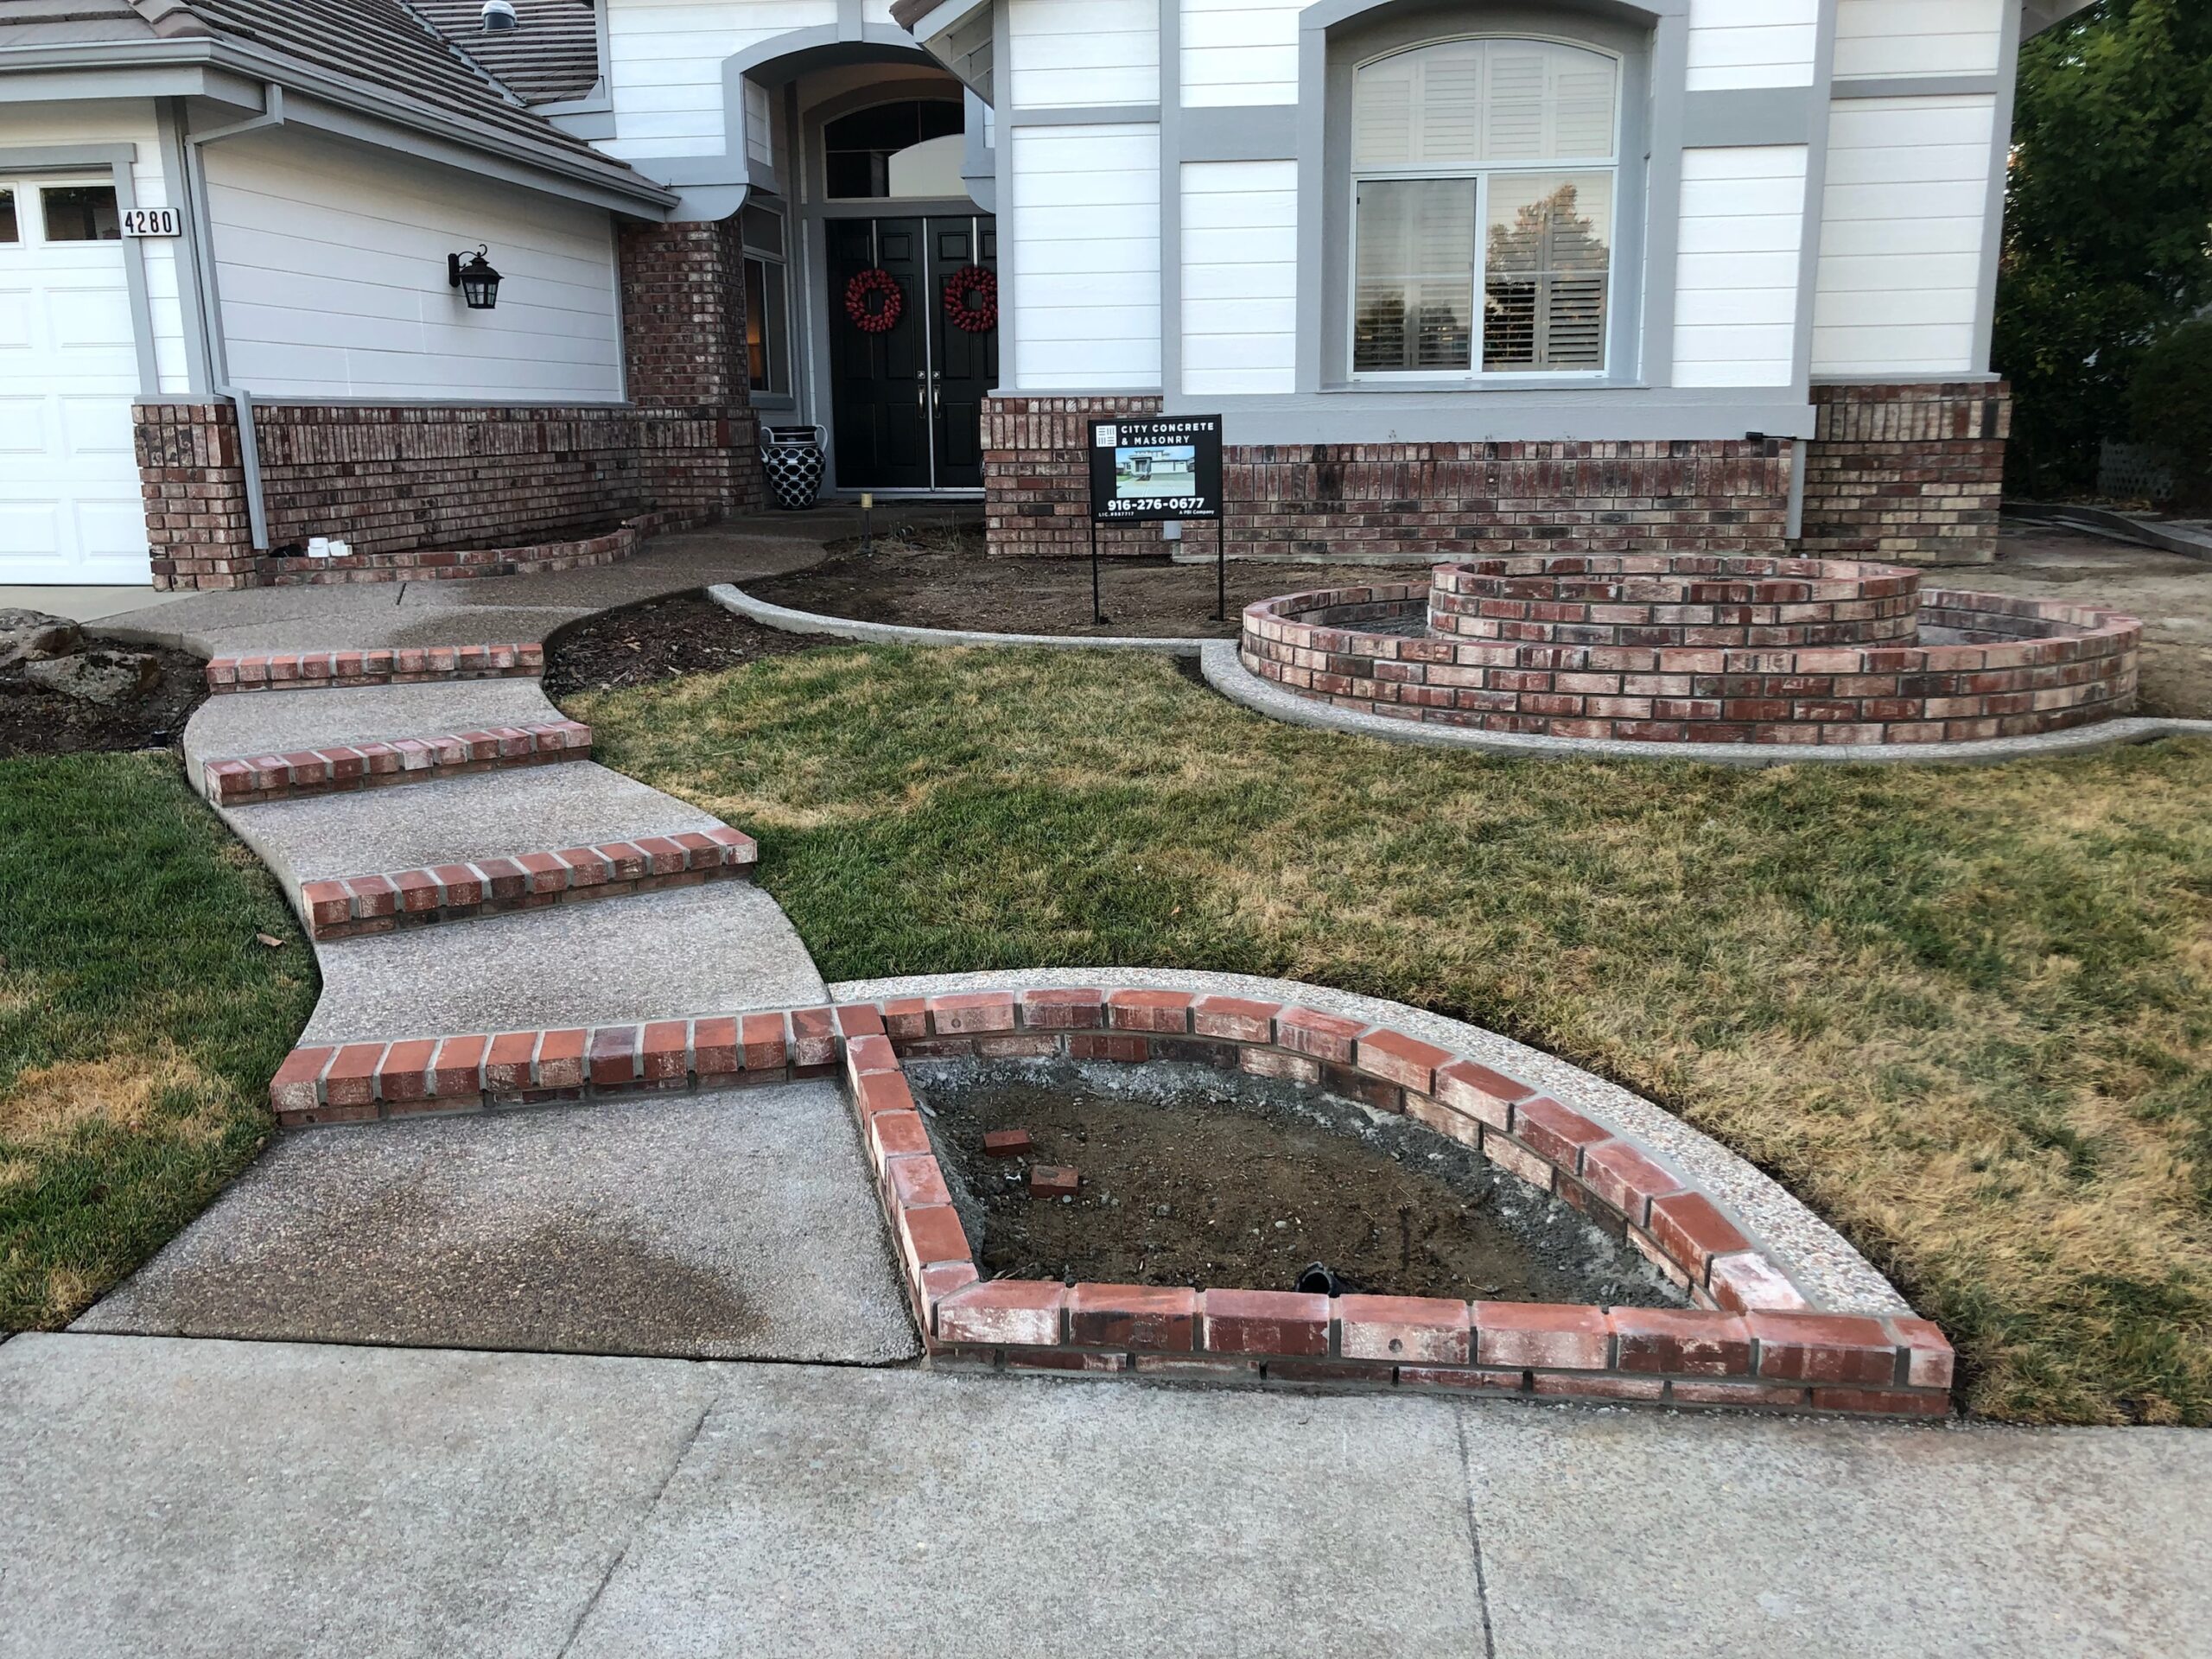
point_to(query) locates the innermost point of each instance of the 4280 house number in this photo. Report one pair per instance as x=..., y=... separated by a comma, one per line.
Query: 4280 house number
x=152, y=221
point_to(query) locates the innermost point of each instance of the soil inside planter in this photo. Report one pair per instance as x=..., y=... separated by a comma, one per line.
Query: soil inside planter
x=1190, y=1176
x=34, y=721
x=942, y=578
x=688, y=633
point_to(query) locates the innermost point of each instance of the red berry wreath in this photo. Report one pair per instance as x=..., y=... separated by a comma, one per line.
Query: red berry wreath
x=971, y=299
x=867, y=286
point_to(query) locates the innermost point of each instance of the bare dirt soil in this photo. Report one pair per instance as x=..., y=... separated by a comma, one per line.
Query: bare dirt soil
x=1191, y=1178
x=687, y=634
x=2172, y=593
x=34, y=721
x=942, y=578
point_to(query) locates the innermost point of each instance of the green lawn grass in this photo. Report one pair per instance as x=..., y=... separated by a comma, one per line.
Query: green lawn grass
x=140, y=1020
x=1964, y=1013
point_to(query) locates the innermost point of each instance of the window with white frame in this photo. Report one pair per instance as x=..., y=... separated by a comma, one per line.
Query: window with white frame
x=1483, y=169
x=767, y=303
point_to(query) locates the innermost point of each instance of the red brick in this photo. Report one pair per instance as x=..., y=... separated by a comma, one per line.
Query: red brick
x=293, y=1088
x=932, y=1234
x=1477, y=1091
x=1588, y=1386
x=1020, y=1313
x=917, y=1182
x=940, y=1281
x=1554, y=1132
x=614, y=1056
x=1824, y=1347
x=1062, y=1010
x=970, y=1012
x=1265, y=1322
x=1061, y=1359
x=1398, y=1059
x=403, y=1074
x=883, y=1091
x=1156, y=1318
x=1413, y=1330
x=1273, y=1063
x=1323, y=1036
x=1928, y=1358
x=1006, y=1143
x=714, y=1049
x=328, y=904
x=1122, y=1048
x=457, y=1070
x=665, y=1055
x=1735, y=1394
x=507, y=1066
x=1689, y=1227
x=1541, y=1336
x=1511, y=1155
x=1896, y=1402
x=1053, y=1181
x=1748, y=1282
x=860, y=1020
x=1163, y=1011
x=1680, y=1342
x=891, y=1134
x=1432, y=1376
x=1626, y=1179
x=867, y=1054
x=560, y=1063
x=814, y=1037
x=762, y=1036
x=1236, y=1018
x=905, y=1018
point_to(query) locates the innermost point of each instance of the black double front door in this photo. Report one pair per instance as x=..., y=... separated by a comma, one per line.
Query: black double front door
x=906, y=404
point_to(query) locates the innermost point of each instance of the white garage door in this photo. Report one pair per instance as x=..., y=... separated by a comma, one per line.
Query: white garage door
x=70, y=510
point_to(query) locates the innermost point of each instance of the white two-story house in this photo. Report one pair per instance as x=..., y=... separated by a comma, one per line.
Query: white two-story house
x=1551, y=274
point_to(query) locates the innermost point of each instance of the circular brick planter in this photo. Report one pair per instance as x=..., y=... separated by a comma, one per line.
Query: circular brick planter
x=1698, y=649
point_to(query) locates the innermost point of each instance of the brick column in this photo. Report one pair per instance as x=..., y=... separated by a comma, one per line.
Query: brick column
x=1037, y=478
x=193, y=483
x=683, y=342
x=1910, y=475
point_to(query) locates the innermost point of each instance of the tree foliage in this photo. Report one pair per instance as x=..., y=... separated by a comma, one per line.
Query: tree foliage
x=2107, y=223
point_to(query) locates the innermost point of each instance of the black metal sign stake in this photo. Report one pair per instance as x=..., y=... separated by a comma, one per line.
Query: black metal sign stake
x=1096, y=615
x=1220, y=569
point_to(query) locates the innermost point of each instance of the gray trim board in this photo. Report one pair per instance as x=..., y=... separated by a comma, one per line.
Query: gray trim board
x=1087, y=115
x=1239, y=132
x=1928, y=86
x=1922, y=377
x=117, y=160
x=850, y=25
x=2000, y=155
x=1761, y=115
x=584, y=124
x=1174, y=121
x=1809, y=238
x=1009, y=275
x=945, y=18
x=1600, y=414
x=193, y=255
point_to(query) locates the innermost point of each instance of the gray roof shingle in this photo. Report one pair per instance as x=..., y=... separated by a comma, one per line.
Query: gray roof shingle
x=554, y=53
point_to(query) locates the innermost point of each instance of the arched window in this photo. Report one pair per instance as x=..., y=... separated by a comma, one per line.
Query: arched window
x=1497, y=157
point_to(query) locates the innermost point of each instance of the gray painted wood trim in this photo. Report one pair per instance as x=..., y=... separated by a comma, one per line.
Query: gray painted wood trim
x=194, y=254
x=116, y=161
x=1238, y=132
x=1816, y=190
x=1597, y=414
x=1761, y=115
x=1086, y=115
x=1931, y=86
x=1009, y=276
x=2000, y=155
x=1172, y=119
x=1921, y=377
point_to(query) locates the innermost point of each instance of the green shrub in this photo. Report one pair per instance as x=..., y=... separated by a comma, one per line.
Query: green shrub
x=2172, y=402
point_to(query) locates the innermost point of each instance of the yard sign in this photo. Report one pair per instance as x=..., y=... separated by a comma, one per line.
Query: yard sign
x=1146, y=471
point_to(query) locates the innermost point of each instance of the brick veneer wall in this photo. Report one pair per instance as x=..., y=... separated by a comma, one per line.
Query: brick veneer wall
x=2030, y=665
x=1910, y=473
x=452, y=480
x=1397, y=499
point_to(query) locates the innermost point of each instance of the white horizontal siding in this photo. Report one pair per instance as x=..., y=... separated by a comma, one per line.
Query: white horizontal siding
x=1902, y=224
x=74, y=125
x=1079, y=54
x=1239, y=277
x=1085, y=233
x=1918, y=38
x=1738, y=268
x=664, y=67
x=331, y=262
x=1736, y=43
x=1239, y=52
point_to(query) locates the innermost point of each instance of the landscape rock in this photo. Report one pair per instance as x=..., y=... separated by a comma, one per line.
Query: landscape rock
x=30, y=636
x=107, y=677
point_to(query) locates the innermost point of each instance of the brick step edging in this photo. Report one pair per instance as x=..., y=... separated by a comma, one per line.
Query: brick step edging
x=394, y=665
x=248, y=780
x=351, y=906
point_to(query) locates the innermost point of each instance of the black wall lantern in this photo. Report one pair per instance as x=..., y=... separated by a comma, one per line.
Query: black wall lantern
x=477, y=282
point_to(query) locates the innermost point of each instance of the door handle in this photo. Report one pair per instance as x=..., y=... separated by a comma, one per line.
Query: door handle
x=921, y=389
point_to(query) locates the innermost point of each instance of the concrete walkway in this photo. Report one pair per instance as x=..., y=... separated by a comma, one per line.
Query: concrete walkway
x=188, y=1498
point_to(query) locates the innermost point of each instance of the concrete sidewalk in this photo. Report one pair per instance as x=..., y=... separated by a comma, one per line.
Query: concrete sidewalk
x=170, y=1498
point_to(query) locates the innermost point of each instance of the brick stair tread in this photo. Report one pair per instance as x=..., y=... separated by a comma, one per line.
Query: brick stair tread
x=229, y=728
x=686, y=951
x=459, y=819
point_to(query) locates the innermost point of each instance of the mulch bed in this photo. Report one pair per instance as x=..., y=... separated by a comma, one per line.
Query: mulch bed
x=688, y=633
x=33, y=721
x=944, y=578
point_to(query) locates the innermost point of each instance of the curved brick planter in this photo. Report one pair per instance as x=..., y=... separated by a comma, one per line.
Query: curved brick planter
x=1755, y=1337
x=1587, y=648
x=429, y=565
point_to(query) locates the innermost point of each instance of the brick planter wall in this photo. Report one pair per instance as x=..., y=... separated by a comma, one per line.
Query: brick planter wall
x=2028, y=667
x=1910, y=473
x=468, y=490
x=1753, y=1339
x=1400, y=500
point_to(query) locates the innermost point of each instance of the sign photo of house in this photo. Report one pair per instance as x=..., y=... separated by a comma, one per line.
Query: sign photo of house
x=1550, y=275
